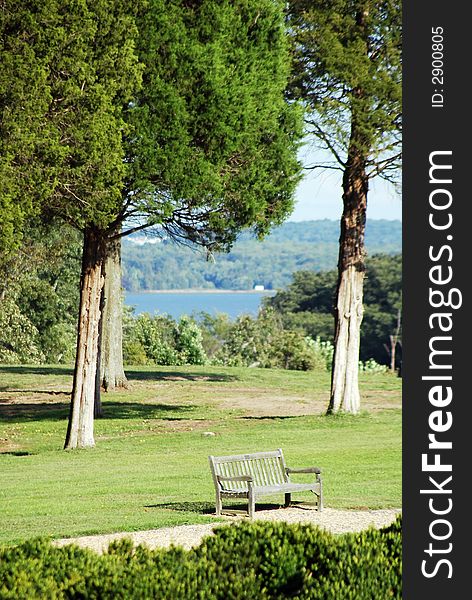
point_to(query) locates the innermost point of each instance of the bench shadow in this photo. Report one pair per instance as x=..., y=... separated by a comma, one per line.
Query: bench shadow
x=16, y=453
x=208, y=508
x=269, y=417
x=58, y=411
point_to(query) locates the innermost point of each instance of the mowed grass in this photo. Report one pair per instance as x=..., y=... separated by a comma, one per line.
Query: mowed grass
x=149, y=468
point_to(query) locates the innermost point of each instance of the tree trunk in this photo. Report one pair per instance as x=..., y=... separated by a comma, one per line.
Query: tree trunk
x=393, y=347
x=394, y=340
x=97, y=408
x=345, y=394
x=80, y=428
x=112, y=372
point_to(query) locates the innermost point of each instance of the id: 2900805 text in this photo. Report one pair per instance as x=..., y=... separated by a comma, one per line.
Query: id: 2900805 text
x=437, y=67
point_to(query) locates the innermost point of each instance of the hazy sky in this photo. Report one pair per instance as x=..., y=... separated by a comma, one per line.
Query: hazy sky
x=319, y=196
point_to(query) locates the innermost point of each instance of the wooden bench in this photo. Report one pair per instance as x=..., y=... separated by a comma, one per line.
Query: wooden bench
x=260, y=474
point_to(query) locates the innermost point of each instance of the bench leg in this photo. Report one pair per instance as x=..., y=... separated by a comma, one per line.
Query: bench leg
x=251, y=503
x=320, y=498
x=218, y=504
x=288, y=500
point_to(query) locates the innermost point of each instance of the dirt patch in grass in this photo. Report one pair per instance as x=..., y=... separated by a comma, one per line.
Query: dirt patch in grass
x=246, y=400
x=33, y=397
x=33, y=405
x=8, y=447
x=381, y=400
x=274, y=405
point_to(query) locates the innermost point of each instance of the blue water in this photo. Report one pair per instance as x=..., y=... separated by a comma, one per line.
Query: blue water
x=185, y=303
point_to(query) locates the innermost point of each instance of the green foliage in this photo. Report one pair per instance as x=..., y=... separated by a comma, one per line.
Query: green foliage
x=371, y=366
x=347, y=69
x=383, y=304
x=309, y=245
x=260, y=341
x=214, y=143
x=160, y=340
x=189, y=342
x=250, y=560
x=23, y=101
x=19, y=338
x=163, y=112
x=276, y=560
x=307, y=291
x=263, y=342
x=324, y=350
x=307, y=304
x=215, y=330
x=247, y=341
x=153, y=336
x=42, y=285
x=71, y=64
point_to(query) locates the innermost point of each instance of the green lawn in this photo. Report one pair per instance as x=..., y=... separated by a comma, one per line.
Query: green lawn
x=149, y=467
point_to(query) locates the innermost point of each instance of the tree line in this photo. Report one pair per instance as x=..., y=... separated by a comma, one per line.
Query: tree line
x=37, y=322
x=307, y=304
x=288, y=248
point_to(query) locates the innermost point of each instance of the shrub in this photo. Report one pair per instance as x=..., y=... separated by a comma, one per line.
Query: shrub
x=323, y=350
x=160, y=340
x=19, y=338
x=263, y=342
x=134, y=353
x=189, y=342
x=277, y=560
x=258, y=561
x=371, y=366
x=245, y=342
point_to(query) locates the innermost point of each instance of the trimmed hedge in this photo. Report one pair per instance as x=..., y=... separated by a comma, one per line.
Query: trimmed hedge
x=252, y=561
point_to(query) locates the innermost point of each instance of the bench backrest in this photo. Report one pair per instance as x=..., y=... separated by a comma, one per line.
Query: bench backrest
x=266, y=468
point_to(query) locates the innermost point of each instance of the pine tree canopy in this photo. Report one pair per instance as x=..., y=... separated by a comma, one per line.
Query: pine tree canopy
x=148, y=112
x=347, y=71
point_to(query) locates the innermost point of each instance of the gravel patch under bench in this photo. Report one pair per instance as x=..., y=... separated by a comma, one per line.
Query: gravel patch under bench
x=188, y=536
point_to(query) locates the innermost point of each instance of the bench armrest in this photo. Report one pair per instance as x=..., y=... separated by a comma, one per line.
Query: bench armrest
x=235, y=478
x=305, y=470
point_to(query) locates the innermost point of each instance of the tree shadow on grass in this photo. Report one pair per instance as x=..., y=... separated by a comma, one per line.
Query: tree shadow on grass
x=136, y=375
x=58, y=411
x=178, y=376
x=36, y=370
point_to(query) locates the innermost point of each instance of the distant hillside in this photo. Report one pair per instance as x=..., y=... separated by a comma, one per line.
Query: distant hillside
x=149, y=264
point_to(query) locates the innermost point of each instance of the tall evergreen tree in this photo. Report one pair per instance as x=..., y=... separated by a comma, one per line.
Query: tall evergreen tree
x=347, y=70
x=167, y=113
x=24, y=99
x=212, y=149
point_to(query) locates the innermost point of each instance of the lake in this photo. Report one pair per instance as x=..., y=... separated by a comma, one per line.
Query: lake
x=178, y=303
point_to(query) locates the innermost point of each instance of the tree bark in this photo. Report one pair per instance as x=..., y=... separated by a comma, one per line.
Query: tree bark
x=97, y=408
x=112, y=374
x=345, y=394
x=394, y=341
x=80, y=427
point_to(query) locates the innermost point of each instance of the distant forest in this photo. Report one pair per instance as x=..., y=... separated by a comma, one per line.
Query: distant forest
x=305, y=245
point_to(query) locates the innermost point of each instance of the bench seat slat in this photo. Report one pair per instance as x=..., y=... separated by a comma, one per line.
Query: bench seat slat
x=261, y=490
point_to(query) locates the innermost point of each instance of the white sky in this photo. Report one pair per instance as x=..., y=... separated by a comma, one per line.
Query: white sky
x=319, y=196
